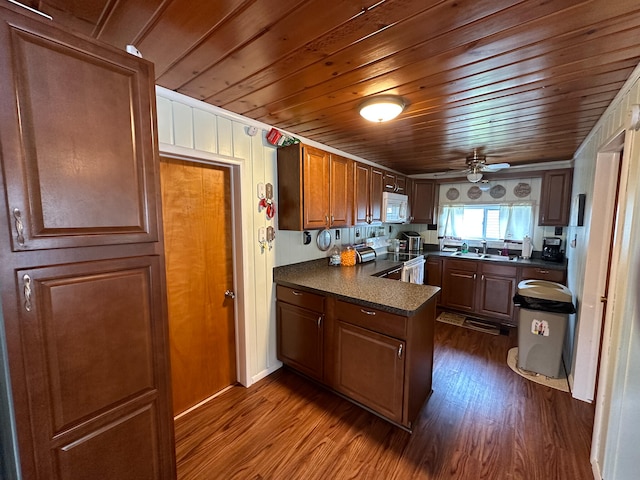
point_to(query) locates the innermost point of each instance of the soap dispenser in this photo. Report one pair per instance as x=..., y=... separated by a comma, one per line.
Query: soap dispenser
x=465, y=247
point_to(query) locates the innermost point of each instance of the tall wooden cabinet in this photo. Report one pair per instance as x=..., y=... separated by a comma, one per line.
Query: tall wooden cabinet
x=81, y=257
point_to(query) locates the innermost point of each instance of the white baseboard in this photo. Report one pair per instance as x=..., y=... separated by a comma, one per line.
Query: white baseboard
x=265, y=373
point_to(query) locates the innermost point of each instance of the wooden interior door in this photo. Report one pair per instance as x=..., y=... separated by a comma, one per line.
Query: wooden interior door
x=196, y=204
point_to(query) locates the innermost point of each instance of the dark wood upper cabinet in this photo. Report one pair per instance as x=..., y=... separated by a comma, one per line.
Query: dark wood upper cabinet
x=424, y=201
x=377, y=187
x=555, y=198
x=82, y=280
x=78, y=152
x=395, y=183
x=367, y=197
x=314, y=188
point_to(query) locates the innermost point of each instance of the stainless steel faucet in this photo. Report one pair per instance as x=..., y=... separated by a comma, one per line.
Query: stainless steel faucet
x=484, y=246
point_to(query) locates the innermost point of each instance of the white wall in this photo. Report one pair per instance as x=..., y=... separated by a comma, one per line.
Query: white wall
x=193, y=129
x=616, y=432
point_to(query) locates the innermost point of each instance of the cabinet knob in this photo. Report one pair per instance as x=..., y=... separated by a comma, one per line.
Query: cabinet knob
x=229, y=294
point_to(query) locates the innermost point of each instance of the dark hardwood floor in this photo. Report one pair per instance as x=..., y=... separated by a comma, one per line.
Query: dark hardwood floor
x=482, y=422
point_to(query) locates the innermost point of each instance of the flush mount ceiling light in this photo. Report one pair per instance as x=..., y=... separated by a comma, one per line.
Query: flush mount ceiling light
x=381, y=108
x=474, y=177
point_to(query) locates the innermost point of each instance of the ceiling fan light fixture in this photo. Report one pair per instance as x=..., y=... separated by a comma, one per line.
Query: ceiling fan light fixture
x=382, y=108
x=474, y=177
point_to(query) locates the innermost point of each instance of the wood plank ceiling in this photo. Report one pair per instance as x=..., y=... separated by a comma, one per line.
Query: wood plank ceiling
x=524, y=81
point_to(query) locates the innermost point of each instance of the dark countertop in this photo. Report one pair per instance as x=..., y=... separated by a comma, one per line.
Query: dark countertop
x=357, y=284
x=531, y=262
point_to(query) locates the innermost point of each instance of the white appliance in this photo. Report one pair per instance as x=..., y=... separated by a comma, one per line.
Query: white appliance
x=395, y=208
x=413, y=270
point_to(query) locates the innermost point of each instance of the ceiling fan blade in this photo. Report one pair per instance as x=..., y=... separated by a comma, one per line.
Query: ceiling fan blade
x=494, y=167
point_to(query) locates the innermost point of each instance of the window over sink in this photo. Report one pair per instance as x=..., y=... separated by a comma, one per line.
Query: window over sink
x=508, y=221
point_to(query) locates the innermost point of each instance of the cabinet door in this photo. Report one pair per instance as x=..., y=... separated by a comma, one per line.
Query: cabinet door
x=433, y=269
x=340, y=195
x=79, y=156
x=377, y=186
x=96, y=370
x=401, y=185
x=300, y=338
x=459, y=284
x=423, y=201
x=555, y=200
x=370, y=369
x=316, y=188
x=390, y=180
x=496, y=293
x=362, y=175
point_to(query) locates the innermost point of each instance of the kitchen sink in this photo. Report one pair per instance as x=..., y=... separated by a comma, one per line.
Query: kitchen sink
x=500, y=258
x=484, y=256
x=477, y=256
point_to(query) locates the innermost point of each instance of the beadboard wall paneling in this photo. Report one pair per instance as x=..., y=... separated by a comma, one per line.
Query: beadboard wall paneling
x=187, y=127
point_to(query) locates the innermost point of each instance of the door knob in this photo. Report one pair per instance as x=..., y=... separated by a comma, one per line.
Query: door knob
x=229, y=294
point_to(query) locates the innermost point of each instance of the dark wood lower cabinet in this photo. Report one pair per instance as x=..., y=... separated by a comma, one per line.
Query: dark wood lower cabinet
x=300, y=338
x=486, y=289
x=370, y=369
x=380, y=360
x=459, y=284
x=497, y=288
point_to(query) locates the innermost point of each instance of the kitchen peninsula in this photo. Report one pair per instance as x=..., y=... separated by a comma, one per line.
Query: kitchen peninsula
x=369, y=339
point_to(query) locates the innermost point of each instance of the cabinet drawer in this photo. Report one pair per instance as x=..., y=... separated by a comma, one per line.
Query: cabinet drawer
x=373, y=319
x=500, y=270
x=301, y=298
x=541, y=273
x=466, y=265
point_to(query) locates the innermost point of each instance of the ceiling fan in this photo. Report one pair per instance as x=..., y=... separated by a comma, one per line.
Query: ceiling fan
x=477, y=165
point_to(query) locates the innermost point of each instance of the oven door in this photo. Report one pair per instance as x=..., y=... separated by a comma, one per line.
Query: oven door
x=413, y=271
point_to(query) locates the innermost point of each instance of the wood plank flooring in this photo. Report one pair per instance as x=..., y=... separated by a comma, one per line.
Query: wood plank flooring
x=483, y=421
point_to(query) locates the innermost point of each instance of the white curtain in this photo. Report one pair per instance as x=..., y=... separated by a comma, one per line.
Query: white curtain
x=516, y=221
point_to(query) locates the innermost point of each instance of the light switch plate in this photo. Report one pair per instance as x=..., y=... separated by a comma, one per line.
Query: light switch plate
x=261, y=190
x=262, y=235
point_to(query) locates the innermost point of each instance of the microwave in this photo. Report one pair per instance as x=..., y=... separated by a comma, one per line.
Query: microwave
x=395, y=208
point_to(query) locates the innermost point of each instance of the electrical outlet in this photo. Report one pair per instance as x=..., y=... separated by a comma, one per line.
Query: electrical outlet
x=357, y=233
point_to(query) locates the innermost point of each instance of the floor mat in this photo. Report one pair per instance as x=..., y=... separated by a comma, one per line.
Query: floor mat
x=557, y=383
x=470, y=323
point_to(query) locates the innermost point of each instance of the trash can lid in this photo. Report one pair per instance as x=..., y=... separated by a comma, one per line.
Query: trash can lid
x=545, y=290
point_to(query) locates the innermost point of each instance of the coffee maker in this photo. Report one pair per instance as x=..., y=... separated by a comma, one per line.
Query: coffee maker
x=551, y=249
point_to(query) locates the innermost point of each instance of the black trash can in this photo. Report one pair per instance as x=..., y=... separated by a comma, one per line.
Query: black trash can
x=542, y=323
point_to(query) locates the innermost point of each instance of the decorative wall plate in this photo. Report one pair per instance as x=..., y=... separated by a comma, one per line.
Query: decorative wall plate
x=497, y=191
x=474, y=192
x=453, y=194
x=522, y=190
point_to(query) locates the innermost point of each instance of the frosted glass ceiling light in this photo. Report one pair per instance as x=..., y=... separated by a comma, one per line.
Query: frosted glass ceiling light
x=381, y=108
x=474, y=177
